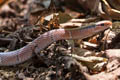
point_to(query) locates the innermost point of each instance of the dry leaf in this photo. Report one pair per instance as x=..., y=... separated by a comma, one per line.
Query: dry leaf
x=95, y=64
x=113, y=13
x=113, y=53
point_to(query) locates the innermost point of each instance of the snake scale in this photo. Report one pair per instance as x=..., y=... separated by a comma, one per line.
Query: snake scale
x=28, y=51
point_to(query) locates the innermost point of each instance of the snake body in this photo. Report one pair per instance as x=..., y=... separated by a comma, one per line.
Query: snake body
x=28, y=51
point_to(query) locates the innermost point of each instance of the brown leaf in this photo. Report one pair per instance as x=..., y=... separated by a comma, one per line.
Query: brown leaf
x=113, y=13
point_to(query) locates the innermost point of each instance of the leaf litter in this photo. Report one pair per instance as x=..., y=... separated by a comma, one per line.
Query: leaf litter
x=24, y=20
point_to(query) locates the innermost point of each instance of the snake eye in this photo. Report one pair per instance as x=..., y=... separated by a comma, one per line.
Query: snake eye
x=102, y=24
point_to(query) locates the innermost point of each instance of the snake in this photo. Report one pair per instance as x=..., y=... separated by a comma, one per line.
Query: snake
x=25, y=53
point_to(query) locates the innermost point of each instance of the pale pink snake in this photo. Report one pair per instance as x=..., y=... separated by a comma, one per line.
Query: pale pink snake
x=25, y=53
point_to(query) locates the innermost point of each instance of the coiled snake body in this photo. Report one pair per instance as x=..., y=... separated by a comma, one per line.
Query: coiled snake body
x=25, y=53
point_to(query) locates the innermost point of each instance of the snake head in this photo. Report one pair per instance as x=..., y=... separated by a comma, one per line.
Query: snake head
x=105, y=24
x=102, y=25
